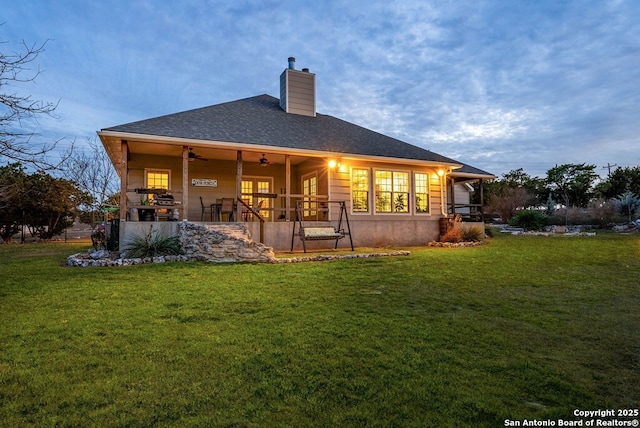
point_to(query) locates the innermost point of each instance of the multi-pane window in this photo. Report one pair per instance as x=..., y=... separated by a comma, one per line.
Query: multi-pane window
x=360, y=190
x=422, y=192
x=157, y=179
x=392, y=191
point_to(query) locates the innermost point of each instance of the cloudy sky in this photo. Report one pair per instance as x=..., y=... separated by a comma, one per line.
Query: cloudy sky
x=498, y=84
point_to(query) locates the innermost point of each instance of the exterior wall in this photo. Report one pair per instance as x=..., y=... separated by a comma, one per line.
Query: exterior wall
x=340, y=189
x=131, y=229
x=377, y=233
x=368, y=229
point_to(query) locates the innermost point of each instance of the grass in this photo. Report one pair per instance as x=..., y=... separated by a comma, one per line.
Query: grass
x=524, y=327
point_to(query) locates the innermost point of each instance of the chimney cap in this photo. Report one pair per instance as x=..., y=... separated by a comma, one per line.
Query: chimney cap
x=305, y=70
x=292, y=63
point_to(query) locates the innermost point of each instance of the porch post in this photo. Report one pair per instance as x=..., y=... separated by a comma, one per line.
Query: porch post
x=124, y=177
x=287, y=187
x=238, y=184
x=185, y=182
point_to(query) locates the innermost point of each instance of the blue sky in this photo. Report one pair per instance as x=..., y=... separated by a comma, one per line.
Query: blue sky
x=497, y=84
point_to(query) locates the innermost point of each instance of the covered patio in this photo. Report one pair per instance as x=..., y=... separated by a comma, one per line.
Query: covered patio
x=166, y=181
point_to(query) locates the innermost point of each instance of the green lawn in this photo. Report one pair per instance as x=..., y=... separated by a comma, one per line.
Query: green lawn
x=524, y=327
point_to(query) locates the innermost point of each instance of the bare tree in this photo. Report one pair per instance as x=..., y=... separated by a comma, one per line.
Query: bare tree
x=508, y=201
x=16, y=110
x=93, y=172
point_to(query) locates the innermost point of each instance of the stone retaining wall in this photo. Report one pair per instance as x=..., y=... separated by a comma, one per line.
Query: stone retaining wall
x=226, y=242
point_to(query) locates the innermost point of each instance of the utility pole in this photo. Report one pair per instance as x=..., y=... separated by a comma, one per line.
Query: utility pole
x=608, y=166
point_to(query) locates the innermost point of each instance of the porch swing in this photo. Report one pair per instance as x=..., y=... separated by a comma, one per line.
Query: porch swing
x=320, y=232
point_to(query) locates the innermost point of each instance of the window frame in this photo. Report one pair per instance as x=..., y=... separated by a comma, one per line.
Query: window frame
x=392, y=192
x=148, y=171
x=367, y=189
x=427, y=176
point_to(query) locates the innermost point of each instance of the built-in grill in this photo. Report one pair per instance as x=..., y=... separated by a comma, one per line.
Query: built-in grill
x=164, y=200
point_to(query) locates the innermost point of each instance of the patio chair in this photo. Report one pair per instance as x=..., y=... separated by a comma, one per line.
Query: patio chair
x=227, y=208
x=205, y=209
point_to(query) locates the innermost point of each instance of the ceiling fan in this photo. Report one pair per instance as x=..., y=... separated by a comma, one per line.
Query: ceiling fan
x=193, y=156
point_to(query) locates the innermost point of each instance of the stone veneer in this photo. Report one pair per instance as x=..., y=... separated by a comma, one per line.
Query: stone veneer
x=225, y=242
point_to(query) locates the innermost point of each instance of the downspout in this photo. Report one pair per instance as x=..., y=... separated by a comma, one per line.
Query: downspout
x=443, y=192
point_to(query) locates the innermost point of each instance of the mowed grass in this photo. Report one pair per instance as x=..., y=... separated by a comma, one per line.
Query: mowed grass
x=523, y=327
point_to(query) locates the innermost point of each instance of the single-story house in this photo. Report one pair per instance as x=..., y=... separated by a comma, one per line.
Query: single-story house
x=278, y=163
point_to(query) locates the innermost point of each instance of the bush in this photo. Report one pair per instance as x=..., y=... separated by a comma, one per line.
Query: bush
x=529, y=220
x=453, y=235
x=473, y=234
x=153, y=245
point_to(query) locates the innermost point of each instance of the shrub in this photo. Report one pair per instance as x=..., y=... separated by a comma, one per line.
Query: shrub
x=529, y=220
x=453, y=235
x=153, y=245
x=473, y=234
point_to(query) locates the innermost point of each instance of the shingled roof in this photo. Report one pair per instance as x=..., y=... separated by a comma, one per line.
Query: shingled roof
x=260, y=120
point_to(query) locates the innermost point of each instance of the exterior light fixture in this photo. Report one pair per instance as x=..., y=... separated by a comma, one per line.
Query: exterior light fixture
x=441, y=172
x=333, y=163
x=264, y=161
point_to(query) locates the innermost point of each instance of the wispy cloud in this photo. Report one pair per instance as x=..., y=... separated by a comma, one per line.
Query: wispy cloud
x=501, y=85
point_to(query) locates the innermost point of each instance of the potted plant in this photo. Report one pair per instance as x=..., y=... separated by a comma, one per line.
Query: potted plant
x=146, y=214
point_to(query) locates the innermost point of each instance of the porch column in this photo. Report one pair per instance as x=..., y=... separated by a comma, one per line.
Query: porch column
x=238, y=184
x=124, y=177
x=185, y=182
x=287, y=187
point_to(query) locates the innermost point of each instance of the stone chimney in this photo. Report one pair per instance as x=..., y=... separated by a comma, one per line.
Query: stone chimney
x=298, y=90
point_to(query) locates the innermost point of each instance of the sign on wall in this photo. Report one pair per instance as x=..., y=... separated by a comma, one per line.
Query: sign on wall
x=204, y=182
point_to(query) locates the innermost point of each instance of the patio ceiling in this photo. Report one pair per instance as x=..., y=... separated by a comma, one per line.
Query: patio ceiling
x=203, y=149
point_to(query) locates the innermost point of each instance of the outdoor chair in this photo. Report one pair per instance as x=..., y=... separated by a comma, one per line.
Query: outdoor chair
x=205, y=209
x=227, y=208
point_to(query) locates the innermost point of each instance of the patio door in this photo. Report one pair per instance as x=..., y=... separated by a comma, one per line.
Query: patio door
x=309, y=199
x=250, y=193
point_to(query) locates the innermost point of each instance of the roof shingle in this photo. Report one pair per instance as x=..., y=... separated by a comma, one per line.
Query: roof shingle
x=260, y=120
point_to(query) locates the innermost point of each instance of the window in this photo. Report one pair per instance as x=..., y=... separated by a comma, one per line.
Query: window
x=392, y=191
x=156, y=179
x=310, y=191
x=360, y=190
x=422, y=192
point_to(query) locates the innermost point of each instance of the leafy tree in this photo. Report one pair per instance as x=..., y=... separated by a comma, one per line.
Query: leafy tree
x=620, y=181
x=16, y=110
x=573, y=184
x=46, y=205
x=12, y=185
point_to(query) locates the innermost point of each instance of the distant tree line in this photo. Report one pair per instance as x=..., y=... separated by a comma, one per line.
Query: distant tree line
x=568, y=190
